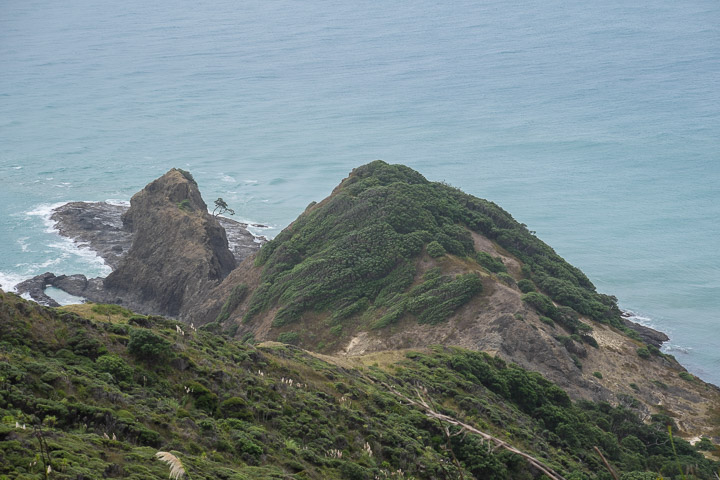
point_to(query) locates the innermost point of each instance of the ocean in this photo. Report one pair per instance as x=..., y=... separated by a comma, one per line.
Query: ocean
x=596, y=124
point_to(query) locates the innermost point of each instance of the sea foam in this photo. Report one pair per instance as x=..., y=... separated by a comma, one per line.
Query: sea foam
x=63, y=247
x=8, y=281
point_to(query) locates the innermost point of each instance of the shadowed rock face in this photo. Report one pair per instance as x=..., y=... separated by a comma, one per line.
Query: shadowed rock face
x=178, y=249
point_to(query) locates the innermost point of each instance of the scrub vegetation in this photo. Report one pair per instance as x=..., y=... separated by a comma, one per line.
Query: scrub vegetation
x=83, y=398
x=359, y=251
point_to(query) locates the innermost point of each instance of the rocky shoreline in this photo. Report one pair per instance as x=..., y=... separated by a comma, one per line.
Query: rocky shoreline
x=99, y=227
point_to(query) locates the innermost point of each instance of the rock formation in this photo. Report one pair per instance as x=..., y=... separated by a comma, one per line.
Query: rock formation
x=170, y=210
x=178, y=249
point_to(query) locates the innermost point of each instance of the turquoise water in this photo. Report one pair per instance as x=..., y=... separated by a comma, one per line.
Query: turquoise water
x=597, y=125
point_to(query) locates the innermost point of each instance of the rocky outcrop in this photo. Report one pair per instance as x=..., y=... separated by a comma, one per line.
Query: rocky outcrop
x=647, y=334
x=99, y=227
x=78, y=285
x=96, y=225
x=166, y=233
x=178, y=251
x=35, y=288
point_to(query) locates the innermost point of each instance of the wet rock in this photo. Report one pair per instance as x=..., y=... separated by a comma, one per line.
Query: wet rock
x=647, y=334
x=35, y=287
x=99, y=226
x=95, y=225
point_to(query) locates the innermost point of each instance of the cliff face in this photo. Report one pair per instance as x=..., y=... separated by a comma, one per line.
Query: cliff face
x=178, y=250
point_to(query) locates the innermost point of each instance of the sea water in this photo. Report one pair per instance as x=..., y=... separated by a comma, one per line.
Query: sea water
x=596, y=124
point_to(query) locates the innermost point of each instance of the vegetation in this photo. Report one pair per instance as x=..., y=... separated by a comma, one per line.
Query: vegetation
x=435, y=250
x=188, y=176
x=222, y=207
x=237, y=295
x=100, y=399
x=493, y=264
x=359, y=252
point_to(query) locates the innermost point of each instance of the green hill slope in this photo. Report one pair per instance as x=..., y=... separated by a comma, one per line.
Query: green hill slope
x=356, y=255
x=99, y=397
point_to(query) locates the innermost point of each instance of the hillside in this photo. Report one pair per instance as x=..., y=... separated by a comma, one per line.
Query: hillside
x=391, y=260
x=94, y=391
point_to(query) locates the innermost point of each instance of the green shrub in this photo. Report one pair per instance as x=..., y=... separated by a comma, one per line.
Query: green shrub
x=525, y=285
x=110, y=309
x=188, y=176
x=235, y=407
x=547, y=321
x=289, y=337
x=353, y=471
x=435, y=250
x=115, y=366
x=146, y=345
x=643, y=352
x=494, y=264
x=140, y=321
x=238, y=294
x=598, y=375
x=705, y=444
x=204, y=399
x=185, y=205
x=246, y=446
x=541, y=303
x=686, y=376
x=507, y=279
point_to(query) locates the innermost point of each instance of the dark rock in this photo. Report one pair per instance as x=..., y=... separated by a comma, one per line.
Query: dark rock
x=164, y=249
x=72, y=284
x=647, y=334
x=178, y=249
x=99, y=226
x=95, y=225
x=35, y=287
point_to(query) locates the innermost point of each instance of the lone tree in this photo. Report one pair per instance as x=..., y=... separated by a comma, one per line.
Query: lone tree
x=222, y=207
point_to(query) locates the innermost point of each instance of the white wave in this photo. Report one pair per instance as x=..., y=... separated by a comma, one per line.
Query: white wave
x=17, y=167
x=670, y=347
x=227, y=178
x=120, y=203
x=44, y=211
x=251, y=181
x=638, y=318
x=27, y=296
x=257, y=231
x=23, y=243
x=8, y=281
x=68, y=247
x=65, y=245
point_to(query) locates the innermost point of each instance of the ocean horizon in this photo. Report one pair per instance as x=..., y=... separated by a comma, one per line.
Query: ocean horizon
x=598, y=126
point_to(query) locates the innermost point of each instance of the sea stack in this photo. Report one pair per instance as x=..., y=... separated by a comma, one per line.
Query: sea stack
x=178, y=252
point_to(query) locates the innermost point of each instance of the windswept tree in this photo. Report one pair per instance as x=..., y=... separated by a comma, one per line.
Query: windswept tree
x=222, y=207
